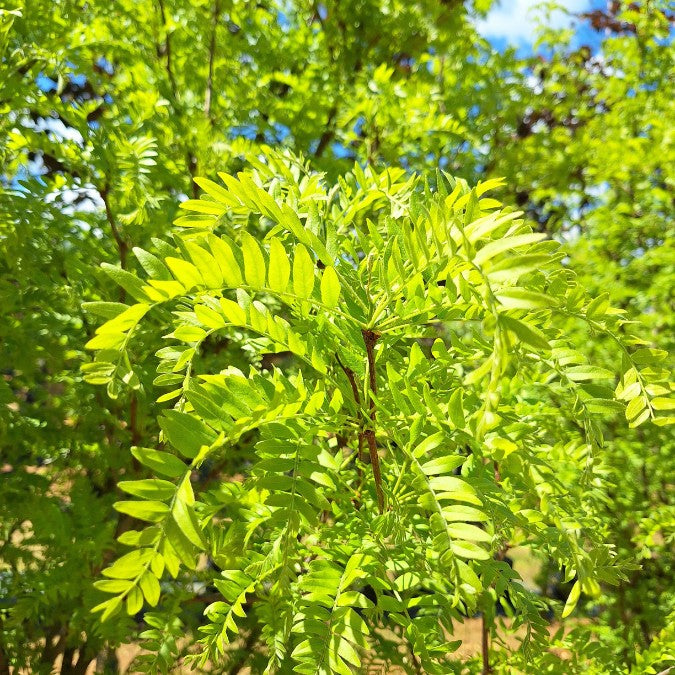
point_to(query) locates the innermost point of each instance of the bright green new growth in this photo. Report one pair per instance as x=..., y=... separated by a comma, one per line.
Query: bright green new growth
x=411, y=360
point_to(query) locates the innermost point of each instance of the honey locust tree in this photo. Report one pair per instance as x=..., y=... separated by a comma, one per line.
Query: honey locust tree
x=399, y=418
x=109, y=110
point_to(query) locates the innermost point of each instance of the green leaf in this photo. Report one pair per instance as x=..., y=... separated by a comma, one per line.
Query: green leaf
x=525, y=332
x=429, y=444
x=520, y=298
x=661, y=403
x=442, y=465
x=603, y=406
x=635, y=407
x=113, y=585
x=465, y=514
x=206, y=264
x=647, y=356
x=330, y=287
x=189, y=334
x=279, y=272
x=512, y=268
x=111, y=341
x=254, y=262
x=107, y=310
x=130, y=283
x=150, y=511
x=185, y=272
x=134, y=601
x=187, y=522
x=233, y=312
x=151, y=488
x=467, y=549
x=154, y=267
x=150, y=587
x=598, y=306
x=186, y=433
x=139, y=538
x=451, y=484
x=572, y=600
x=163, y=463
x=226, y=260
x=181, y=548
x=456, y=408
x=498, y=246
x=218, y=192
x=129, y=566
x=468, y=532
x=203, y=206
x=583, y=373
x=209, y=318
x=108, y=608
x=303, y=273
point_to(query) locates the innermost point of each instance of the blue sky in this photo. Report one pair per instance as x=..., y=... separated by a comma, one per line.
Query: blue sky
x=513, y=22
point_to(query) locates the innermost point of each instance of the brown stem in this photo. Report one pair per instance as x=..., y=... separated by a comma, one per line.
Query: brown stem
x=212, y=53
x=122, y=245
x=498, y=475
x=123, y=249
x=485, y=646
x=369, y=435
x=370, y=338
x=352, y=381
x=351, y=376
x=192, y=168
x=416, y=662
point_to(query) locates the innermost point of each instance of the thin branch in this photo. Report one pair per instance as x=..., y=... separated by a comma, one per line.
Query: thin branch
x=485, y=646
x=122, y=245
x=191, y=159
x=370, y=338
x=167, y=49
x=357, y=399
x=192, y=165
x=351, y=376
x=352, y=381
x=212, y=51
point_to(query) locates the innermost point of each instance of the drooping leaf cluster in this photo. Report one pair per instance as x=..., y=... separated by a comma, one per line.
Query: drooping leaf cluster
x=413, y=434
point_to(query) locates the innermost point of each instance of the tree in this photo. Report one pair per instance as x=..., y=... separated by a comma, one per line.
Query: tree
x=110, y=112
x=423, y=329
x=592, y=160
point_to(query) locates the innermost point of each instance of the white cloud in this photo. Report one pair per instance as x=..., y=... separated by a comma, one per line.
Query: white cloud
x=516, y=20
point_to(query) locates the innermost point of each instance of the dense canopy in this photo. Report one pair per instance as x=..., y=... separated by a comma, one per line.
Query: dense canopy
x=336, y=337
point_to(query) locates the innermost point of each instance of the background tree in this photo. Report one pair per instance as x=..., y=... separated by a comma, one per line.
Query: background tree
x=111, y=110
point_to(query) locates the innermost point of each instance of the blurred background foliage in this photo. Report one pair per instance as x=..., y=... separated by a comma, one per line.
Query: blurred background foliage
x=107, y=112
